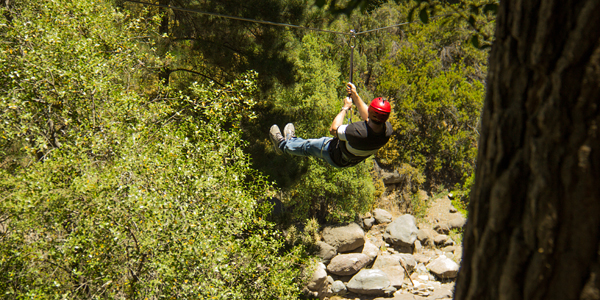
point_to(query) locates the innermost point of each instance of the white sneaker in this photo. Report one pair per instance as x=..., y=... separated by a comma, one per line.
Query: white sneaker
x=289, y=131
x=276, y=138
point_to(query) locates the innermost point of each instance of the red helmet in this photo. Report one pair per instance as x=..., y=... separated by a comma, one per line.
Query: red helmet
x=379, y=110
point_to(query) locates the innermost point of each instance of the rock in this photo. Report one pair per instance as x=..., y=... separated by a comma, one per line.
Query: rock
x=402, y=233
x=370, y=250
x=458, y=252
x=338, y=288
x=442, y=228
x=344, y=238
x=318, y=277
x=443, y=267
x=449, y=242
x=440, y=239
x=377, y=242
x=449, y=249
x=382, y=216
x=421, y=269
x=418, y=247
x=369, y=282
x=368, y=223
x=389, y=291
x=443, y=292
x=426, y=235
x=390, y=264
x=409, y=261
x=421, y=258
x=457, y=222
x=453, y=210
x=325, y=251
x=347, y=264
x=449, y=255
x=390, y=177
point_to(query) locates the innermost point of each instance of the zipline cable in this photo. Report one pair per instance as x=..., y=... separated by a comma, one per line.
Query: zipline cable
x=352, y=45
x=352, y=32
x=265, y=22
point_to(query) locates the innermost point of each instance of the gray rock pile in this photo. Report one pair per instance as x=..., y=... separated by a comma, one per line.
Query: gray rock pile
x=391, y=259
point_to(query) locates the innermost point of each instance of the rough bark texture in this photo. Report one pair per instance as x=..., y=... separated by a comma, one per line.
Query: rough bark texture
x=534, y=219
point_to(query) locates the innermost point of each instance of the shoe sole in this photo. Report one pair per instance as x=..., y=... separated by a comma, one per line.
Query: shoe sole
x=289, y=130
x=273, y=135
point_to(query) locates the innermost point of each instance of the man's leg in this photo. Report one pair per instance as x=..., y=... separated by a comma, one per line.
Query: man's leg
x=293, y=145
x=308, y=147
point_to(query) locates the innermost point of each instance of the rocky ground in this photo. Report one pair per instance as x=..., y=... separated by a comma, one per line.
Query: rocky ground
x=390, y=256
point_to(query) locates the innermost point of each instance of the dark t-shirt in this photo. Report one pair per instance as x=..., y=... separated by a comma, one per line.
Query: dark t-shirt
x=356, y=142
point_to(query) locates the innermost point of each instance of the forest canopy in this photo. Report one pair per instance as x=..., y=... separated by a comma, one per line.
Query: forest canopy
x=134, y=157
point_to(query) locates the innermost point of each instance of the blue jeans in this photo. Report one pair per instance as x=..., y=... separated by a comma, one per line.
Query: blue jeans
x=318, y=148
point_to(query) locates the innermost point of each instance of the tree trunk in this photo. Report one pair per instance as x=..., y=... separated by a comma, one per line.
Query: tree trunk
x=534, y=219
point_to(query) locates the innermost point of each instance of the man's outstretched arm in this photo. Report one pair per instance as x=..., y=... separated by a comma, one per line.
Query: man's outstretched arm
x=362, y=108
x=339, y=119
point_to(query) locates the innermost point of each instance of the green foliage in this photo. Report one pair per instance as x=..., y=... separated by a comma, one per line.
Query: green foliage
x=226, y=47
x=434, y=83
x=477, y=14
x=311, y=104
x=107, y=193
x=332, y=195
x=311, y=188
x=461, y=194
x=419, y=206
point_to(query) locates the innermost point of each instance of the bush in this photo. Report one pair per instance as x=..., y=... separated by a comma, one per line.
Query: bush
x=109, y=194
x=436, y=94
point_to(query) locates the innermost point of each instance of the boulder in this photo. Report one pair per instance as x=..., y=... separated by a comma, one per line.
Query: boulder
x=421, y=258
x=442, y=228
x=390, y=177
x=426, y=235
x=370, y=282
x=402, y=232
x=318, y=277
x=457, y=222
x=338, y=288
x=370, y=250
x=344, y=238
x=347, y=264
x=409, y=260
x=390, y=265
x=449, y=249
x=443, y=267
x=325, y=251
x=382, y=216
x=368, y=223
x=440, y=239
x=418, y=247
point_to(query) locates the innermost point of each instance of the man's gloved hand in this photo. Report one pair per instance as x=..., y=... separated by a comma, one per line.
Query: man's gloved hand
x=347, y=103
x=351, y=89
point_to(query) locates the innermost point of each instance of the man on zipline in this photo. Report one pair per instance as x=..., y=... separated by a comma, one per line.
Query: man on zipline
x=351, y=144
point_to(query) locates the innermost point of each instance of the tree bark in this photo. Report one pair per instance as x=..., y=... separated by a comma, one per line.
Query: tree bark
x=534, y=219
